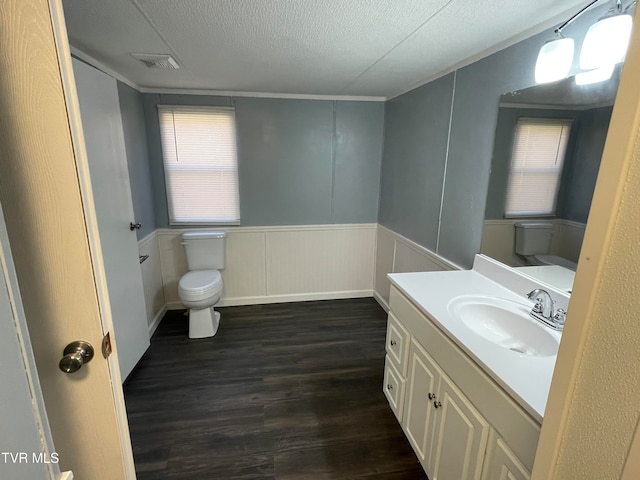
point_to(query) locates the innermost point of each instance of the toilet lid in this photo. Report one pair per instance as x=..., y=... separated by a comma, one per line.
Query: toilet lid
x=200, y=283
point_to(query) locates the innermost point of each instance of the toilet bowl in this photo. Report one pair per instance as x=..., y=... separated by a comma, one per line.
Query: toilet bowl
x=201, y=288
x=199, y=291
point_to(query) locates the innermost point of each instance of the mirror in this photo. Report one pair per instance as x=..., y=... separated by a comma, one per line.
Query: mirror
x=589, y=108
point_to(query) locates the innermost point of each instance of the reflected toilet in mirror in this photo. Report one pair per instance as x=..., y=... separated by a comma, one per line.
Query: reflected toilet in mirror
x=533, y=241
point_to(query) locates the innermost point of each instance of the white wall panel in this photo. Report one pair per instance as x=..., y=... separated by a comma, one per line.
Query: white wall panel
x=395, y=254
x=385, y=247
x=277, y=264
x=411, y=259
x=498, y=241
x=571, y=235
x=173, y=262
x=328, y=260
x=244, y=275
x=152, y=280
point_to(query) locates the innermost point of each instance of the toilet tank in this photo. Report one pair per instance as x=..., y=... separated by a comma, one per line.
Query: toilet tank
x=205, y=250
x=533, y=238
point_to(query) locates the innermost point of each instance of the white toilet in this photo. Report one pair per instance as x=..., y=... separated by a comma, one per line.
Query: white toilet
x=201, y=288
x=533, y=240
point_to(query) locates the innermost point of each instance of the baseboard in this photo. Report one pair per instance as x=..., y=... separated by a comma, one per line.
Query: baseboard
x=156, y=320
x=378, y=298
x=297, y=297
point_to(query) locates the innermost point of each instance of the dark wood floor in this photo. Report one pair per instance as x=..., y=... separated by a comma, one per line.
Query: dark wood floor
x=284, y=391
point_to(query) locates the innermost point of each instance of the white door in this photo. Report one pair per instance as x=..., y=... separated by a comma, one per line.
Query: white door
x=26, y=446
x=104, y=141
x=45, y=191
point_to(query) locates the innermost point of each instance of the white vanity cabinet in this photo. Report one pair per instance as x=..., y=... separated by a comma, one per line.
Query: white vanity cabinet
x=461, y=424
x=502, y=464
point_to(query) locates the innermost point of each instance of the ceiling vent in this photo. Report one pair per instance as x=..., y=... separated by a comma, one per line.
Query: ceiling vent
x=156, y=61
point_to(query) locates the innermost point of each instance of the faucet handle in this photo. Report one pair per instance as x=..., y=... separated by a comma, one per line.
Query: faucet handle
x=560, y=316
x=537, y=308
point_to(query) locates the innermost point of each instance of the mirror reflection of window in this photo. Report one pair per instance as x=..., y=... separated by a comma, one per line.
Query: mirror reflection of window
x=537, y=158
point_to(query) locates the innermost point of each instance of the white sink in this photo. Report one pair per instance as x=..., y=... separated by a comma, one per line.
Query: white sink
x=504, y=323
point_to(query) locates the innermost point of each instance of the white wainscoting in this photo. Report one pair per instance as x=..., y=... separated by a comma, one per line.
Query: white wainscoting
x=396, y=253
x=498, y=240
x=152, y=280
x=281, y=263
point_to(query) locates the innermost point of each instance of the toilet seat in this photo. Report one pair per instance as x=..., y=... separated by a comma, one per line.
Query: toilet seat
x=555, y=260
x=200, y=284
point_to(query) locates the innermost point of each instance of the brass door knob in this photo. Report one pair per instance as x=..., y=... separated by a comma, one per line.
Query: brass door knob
x=76, y=354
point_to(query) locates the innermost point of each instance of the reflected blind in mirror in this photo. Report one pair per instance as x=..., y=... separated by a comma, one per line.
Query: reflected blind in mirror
x=539, y=148
x=200, y=164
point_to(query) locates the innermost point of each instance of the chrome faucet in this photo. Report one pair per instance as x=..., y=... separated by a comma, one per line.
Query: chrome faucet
x=543, y=309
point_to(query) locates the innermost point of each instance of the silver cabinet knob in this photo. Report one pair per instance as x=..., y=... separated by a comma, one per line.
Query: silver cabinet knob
x=393, y=343
x=389, y=387
x=76, y=354
x=431, y=396
x=134, y=226
x=437, y=404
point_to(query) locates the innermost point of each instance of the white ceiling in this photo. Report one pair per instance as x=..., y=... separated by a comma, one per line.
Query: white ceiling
x=366, y=48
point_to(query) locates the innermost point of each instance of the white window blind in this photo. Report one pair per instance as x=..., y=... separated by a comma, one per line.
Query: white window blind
x=200, y=164
x=539, y=148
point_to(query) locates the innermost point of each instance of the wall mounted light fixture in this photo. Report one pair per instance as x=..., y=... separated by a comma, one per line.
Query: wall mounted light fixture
x=605, y=45
x=607, y=40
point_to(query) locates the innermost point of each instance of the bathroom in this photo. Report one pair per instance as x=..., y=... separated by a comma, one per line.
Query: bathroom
x=364, y=187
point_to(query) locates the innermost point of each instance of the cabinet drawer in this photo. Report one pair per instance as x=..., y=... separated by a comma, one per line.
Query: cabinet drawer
x=397, y=344
x=393, y=388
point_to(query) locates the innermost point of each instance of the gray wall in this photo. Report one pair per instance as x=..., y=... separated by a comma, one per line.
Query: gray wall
x=299, y=161
x=413, y=166
x=135, y=139
x=580, y=175
x=473, y=110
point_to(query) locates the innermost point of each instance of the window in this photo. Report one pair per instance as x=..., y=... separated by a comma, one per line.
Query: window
x=200, y=164
x=539, y=147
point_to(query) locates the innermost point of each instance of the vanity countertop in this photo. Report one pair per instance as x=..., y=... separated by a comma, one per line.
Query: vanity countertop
x=526, y=378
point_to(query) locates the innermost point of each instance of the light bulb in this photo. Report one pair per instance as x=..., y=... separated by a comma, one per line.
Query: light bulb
x=554, y=60
x=606, y=42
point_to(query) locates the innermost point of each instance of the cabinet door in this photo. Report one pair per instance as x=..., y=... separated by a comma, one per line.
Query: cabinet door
x=460, y=437
x=393, y=388
x=419, y=411
x=504, y=465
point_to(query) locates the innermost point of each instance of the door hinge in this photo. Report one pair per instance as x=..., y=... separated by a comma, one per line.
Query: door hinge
x=106, y=345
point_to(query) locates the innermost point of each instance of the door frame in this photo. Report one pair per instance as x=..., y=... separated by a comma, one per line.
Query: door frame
x=41, y=422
